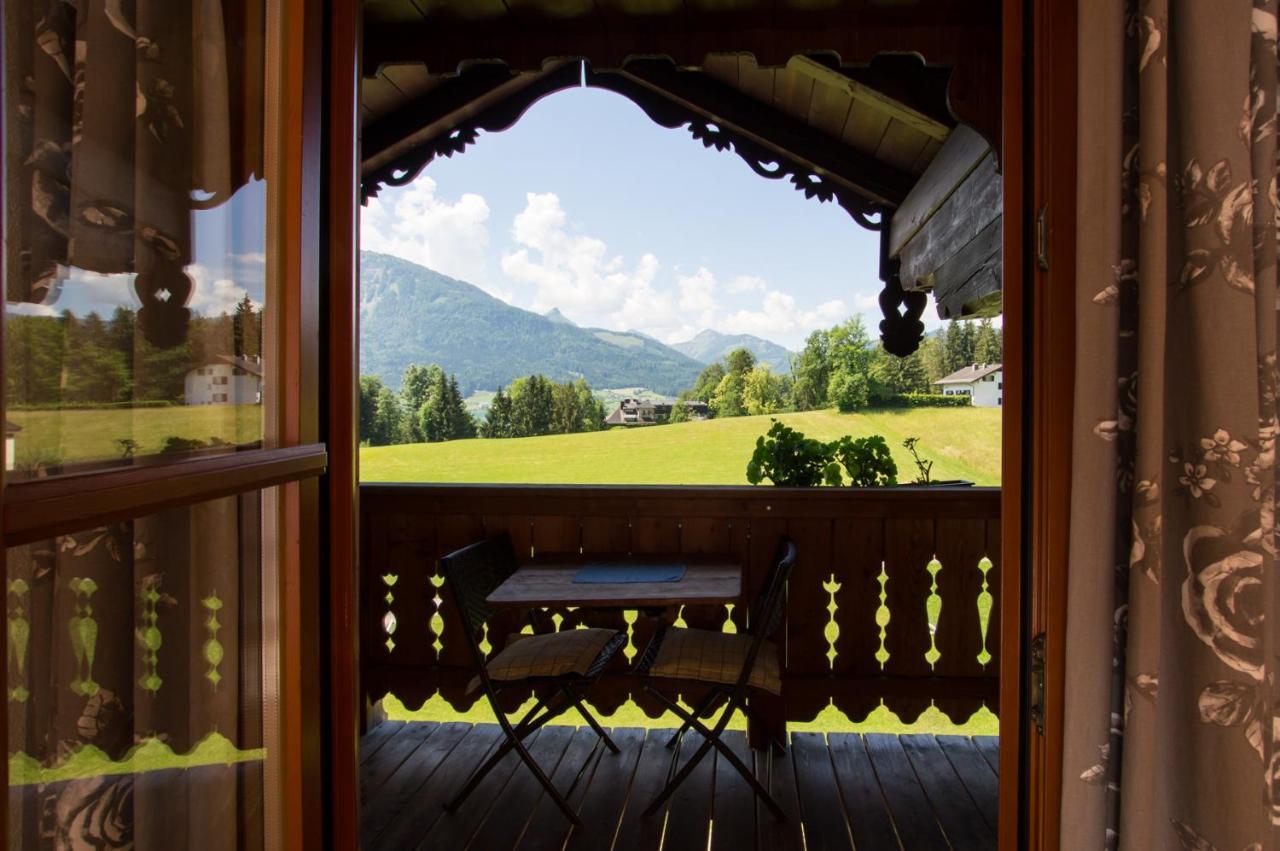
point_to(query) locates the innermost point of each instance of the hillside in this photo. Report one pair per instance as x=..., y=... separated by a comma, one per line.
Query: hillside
x=964, y=443
x=411, y=314
x=710, y=346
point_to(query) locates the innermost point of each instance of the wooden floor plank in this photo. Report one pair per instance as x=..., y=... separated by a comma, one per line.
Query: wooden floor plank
x=636, y=832
x=450, y=831
x=689, y=815
x=869, y=820
x=548, y=828
x=606, y=794
x=956, y=811
x=372, y=741
x=978, y=778
x=421, y=813
x=733, y=812
x=506, y=823
x=877, y=792
x=989, y=747
x=776, y=773
x=391, y=756
x=917, y=827
x=825, y=827
x=405, y=784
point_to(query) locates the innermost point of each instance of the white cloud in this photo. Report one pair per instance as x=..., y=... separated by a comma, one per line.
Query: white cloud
x=574, y=272
x=413, y=223
x=213, y=296
x=747, y=284
x=779, y=318
x=696, y=291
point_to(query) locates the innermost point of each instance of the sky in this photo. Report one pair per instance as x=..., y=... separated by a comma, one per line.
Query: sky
x=587, y=206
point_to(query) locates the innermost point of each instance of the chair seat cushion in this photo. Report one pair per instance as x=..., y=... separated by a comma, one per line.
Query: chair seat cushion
x=712, y=657
x=553, y=654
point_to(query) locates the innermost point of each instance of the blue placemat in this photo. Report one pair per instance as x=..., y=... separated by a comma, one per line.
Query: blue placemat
x=625, y=573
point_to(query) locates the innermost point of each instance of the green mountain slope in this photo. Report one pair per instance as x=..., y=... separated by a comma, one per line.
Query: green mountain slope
x=411, y=314
x=710, y=346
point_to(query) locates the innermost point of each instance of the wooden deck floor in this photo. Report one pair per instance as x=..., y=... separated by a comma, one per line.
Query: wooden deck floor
x=845, y=791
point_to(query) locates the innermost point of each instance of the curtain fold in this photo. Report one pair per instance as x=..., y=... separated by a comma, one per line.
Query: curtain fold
x=125, y=118
x=132, y=647
x=1172, y=724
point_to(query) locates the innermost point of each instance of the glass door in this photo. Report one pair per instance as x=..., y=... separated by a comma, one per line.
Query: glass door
x=151, y=497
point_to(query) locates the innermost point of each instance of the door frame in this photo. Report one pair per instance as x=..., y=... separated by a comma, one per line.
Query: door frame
x=1039, y=168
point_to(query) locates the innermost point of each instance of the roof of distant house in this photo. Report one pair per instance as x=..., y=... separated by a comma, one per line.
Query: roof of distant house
x=970, y=373
x=252, y=366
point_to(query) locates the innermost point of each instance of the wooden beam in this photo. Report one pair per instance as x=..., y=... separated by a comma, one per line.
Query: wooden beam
x=945, y=33
x=47, y=507
x=962, y=153
x=863, y=94
x=968, y=285
x=956, y=223
x=768, y=127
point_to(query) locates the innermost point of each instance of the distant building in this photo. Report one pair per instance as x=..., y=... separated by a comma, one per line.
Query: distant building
x=11, y=444
x=983, y=383
x=649, y=412
x=228, y=381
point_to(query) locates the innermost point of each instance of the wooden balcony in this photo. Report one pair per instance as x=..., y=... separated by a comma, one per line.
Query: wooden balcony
x=840, y=792
x=894, y=598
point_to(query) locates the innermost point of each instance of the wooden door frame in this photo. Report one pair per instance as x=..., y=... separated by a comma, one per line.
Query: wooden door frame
x=1040, y=109
x=1039, y=165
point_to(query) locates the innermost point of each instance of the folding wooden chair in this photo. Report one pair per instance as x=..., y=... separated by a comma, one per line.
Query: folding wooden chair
x=731, y=665
x=555, y=665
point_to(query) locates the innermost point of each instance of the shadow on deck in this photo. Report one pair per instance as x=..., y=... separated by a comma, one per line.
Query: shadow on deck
x=842, y=791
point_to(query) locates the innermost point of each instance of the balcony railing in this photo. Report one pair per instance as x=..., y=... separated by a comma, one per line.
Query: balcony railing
x=894, y=598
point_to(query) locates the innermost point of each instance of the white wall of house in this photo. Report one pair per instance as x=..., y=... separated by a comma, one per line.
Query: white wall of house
x=986, y=392
x=218, y=384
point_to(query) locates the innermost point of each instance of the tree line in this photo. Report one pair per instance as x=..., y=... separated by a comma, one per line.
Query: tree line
x=71, y=360
x=430, y=409
x=841, y=367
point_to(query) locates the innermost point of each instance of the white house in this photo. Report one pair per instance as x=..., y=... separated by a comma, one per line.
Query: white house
x=983, y=383
x=229, y=381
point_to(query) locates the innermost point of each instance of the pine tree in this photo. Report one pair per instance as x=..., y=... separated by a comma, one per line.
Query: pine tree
x=498, y=419
x=988, y=346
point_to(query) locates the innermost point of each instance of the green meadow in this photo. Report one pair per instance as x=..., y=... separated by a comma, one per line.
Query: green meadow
x=963, y=443
x=69, y=436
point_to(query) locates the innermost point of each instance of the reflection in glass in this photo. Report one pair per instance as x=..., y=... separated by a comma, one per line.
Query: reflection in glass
x=135, y=265
x=135, y=683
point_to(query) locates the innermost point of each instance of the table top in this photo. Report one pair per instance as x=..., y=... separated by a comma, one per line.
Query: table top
x=549, y=582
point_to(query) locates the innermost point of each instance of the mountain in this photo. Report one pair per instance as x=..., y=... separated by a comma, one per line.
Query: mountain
x=555, y=315
x=411, y=314
x=710, y=346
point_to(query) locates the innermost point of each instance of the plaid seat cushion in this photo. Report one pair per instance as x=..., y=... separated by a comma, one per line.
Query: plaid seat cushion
x=552, y=654
x=712, y=657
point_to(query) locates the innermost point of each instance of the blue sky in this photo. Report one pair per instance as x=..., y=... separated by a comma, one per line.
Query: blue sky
x=587, y=206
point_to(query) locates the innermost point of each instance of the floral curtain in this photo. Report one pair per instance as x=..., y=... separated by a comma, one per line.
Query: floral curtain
x=134, y=683
x=1172, y=724
x=123, y=117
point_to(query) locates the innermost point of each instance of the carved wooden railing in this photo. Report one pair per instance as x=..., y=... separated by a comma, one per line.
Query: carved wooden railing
x=894, y=598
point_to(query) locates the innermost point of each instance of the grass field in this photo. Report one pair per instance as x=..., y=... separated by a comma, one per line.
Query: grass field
x=52, y=437
x=964, y=443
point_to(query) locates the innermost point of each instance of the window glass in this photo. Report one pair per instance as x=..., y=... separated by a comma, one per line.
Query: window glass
x=138, y=683
x=135, y=256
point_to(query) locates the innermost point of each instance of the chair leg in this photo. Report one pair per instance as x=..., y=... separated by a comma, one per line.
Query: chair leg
x=590, y=719
x=547, y=784
x=522, y=730
x=680, y=777
x=702, y=706
x=711, y=738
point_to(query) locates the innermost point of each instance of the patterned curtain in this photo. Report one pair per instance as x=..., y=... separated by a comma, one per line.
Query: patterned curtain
x=126, y=115
x=1172, y=724
x=135, y=683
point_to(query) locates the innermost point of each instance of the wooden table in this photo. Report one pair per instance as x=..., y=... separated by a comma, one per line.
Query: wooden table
x=549, y=583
